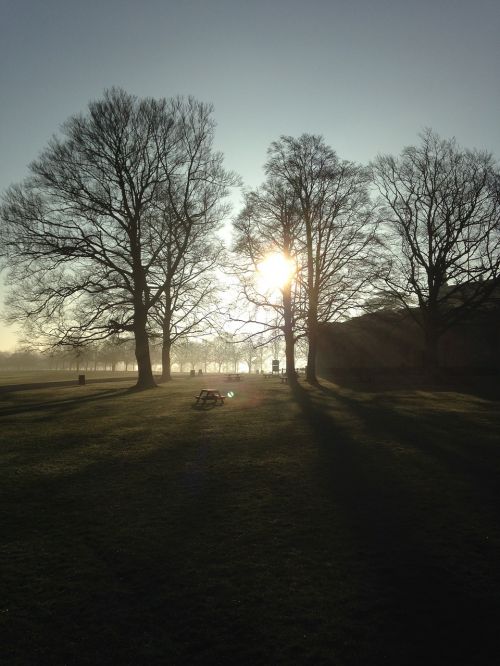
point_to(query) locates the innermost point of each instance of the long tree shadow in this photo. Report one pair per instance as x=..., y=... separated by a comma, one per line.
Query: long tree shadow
x=50, y=407
x=483, y=386
x=16, y=388
x=303, y=540
x=435, y=609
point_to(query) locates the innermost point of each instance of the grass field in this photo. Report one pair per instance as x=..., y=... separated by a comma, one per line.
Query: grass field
x=11, y=378
x=316, y=526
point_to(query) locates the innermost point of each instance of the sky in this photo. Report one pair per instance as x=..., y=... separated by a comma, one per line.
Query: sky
x=368, y=75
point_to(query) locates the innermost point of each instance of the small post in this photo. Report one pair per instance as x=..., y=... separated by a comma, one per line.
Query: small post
x=81, y=380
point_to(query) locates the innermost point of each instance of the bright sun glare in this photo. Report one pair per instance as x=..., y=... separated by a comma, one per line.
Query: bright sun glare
x=275, y=271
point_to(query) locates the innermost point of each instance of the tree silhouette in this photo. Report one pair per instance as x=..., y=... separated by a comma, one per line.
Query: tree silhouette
x=442, y=213
x=337, y=231
x=83, y=236
x=270, y=222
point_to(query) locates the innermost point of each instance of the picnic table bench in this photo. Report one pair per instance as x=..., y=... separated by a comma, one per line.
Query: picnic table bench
x=233, y=375
x=212, y=395
x=284, y=377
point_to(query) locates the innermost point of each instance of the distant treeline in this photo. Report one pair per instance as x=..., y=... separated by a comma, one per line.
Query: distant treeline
x=218, y=354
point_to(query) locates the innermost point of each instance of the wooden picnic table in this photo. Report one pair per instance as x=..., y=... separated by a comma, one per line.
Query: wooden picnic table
x=233, y=375
x=284, y=377
x=209, y=395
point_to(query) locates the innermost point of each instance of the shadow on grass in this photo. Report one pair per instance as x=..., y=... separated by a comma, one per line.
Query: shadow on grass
x=52, y=407
x=209, y=405
x=430, y=542
x=16, y=388
x=483, y=386
x=438, y=426
x=325, y=537
x=177, y=556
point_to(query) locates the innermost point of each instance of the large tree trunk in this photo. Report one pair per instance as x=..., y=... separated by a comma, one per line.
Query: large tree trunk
x=312, y=338
x=312, y=314
x=311, y=359
x=145, y=378
x=166, y=374
x=288, y=331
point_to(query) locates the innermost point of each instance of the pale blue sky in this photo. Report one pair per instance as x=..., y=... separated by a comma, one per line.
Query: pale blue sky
x=368, y=75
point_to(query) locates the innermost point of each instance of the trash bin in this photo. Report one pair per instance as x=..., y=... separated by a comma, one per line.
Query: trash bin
x=81, y=380
x=192, y=373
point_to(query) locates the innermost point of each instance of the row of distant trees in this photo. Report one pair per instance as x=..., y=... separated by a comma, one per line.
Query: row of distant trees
x=217, y=354
x=114, y=234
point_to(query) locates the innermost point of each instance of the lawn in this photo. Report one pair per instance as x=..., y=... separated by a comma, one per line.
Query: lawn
x=316, y=526
x=11, y=378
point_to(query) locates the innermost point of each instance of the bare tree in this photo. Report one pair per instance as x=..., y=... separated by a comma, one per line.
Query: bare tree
x=179, y=354
x=269, y=223
x=337, y=229
x=189, y=305
x=442, y=212
x=233, y=351
x=219, y=351
x=249, y=353
x=77, y=227
x=189, y=213
x=81, y=235
x=261, y=351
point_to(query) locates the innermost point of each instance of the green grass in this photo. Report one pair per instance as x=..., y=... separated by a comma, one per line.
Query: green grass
x=9, y=378
x=322, y=526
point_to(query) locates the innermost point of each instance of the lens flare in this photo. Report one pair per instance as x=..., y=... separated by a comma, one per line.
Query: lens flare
x=275, y=271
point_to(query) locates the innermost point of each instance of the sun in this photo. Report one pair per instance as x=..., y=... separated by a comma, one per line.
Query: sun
x=275, y=271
